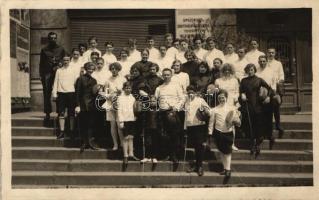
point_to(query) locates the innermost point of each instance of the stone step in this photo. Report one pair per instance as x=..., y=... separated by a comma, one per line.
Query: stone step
x=157, y=179
x=51, y=141
x=73, y=153
x=43, y=131
x=103, y=165
x=38, y=122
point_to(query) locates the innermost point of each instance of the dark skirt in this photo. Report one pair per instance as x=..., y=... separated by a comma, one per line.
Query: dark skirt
x=196, y=135
x=129, y=128
x=223, y=141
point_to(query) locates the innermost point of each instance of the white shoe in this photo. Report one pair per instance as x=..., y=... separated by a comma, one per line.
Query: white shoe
x=146, y=160
x=234, y=148
x=115, y=148
x=154, y=160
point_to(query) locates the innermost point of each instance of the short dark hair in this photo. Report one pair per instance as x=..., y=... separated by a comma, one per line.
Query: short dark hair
x=88, y=65
x=92, y=38
x=162, y=45
x=250, y=65
x=197, y=37
x=149, y=37
x=125, y=50
x=222, y=91
x=204, y=64
x=220, y=60
x=131, y=41
x=135, y=67
x=176, y=40
x=191, y=87
x=156, y=66
x=115, y=65
x=83, y=45
x=148, y=51
x=108, y=43
x=168, y=35
x=100, y=58
x=75, y=49
x=95, y=53
x=227, y=66
x=211, y=39
x=191, y=52
x=262, y=56
x=52, y=33
x=125, y=84
x=167, y=69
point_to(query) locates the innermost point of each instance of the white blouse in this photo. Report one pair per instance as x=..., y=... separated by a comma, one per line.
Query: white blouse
x=217, y=118
x=181, y=79
x=125, y=109
x=191, y=107
x=231, y=85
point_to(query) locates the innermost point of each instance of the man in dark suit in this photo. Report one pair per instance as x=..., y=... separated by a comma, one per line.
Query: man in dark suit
x=50, y=59
x=85, y=105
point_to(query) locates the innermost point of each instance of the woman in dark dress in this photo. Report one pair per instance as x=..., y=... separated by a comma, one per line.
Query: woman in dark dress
x=255, y=95
x=191, y=66
x=202, y=79
x=144, y=64
x=216, y=71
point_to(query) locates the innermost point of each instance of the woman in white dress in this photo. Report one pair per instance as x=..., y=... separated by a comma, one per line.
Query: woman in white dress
x=230, y=83
x=221, y=124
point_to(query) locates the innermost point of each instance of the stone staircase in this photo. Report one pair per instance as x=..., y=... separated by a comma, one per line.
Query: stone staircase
x=41, y=161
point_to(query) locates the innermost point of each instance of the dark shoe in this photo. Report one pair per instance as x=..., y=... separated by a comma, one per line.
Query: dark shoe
x=46, y=120
x=133, y=158
x=257, y=153
x=223, y=172
x=191, y=169
x=166, y=158
x=60, y=135
x=82, y=148
x=200, y=171
x=175, y=160
x=271, y=143
x=93, y=145
x=227, y=176
x=125, y=164
x=280, y=133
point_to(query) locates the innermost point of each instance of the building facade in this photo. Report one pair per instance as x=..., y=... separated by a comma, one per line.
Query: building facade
x=288, y=30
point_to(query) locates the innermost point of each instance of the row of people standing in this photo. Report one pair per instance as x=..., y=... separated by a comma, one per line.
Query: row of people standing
x=192, y=72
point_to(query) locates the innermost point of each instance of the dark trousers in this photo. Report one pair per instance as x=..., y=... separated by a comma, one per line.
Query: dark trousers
x=172, y=127
x=152, y=139
x=100, y=125
x=86, y=126
x=196, y=138
x=47, y=83
x=276, y=109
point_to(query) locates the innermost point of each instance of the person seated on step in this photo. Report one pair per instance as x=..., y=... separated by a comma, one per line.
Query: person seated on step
x=64, y=92
x=221, y=123
x=126, y=120
x=195, y=127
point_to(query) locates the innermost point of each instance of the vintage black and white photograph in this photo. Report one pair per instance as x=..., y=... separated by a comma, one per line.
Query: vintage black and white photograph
x=161, y=98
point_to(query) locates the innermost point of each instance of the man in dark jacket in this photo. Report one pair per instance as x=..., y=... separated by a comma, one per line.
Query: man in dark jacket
x=50, y=59
x=85, y=105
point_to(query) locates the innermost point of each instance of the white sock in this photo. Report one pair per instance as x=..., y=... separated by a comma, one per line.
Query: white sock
x=61, y=123
x=125, y=147
x=113, y=133
x=130, y=146
x=227, y=161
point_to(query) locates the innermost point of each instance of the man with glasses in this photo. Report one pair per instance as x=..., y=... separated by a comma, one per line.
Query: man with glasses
x=50, y=60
